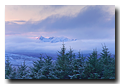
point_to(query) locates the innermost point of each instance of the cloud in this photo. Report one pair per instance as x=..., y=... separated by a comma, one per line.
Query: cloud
x=19, y=22
x=25, y=45
x=89, y=33
x=88, y=24
x=39, y=12
x=110, y=10
x=17, y=39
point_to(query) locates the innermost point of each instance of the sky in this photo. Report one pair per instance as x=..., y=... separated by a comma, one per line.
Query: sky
x=91, y=25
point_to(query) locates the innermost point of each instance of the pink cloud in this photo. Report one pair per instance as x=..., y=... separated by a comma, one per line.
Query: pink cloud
x=33, y=35
x=39, y=12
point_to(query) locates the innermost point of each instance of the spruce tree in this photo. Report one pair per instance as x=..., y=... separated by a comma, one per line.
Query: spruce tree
x=62, y=64
x=78, y=67
x=10, y=72
x=36, y=69
x=22, y=72
x=81, y=60
x=62, y=58
x=107, y=63
x=81, y=63
x=71, y=55
x=47, y=71
x=93, y=69
x=43, y=69
x=75, y=70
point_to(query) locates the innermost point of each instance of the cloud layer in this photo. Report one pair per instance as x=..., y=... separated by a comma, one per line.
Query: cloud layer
x=37, y=13
x=25, y=45
x=91, y=25
x=41, y=12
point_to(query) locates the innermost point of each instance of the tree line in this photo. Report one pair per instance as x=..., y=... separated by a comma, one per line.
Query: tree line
x=67, y=66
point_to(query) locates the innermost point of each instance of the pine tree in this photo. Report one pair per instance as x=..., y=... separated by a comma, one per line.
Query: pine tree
x=81, y=59
x=62, y=58
x=78, y=67
x=22, y=72
x=10, y=72
x=75, y=70
x=70, y=55
x=107, y=63
x=62, y=64
x=43, y=69
x=62, y=52
x=36, y=69
x=47, y=69
x=93, y=69
x=81, y=62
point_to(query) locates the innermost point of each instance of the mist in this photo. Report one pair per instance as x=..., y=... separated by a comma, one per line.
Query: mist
x=27, y=46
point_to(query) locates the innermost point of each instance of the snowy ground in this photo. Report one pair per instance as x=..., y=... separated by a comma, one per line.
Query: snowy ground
x=17, y=59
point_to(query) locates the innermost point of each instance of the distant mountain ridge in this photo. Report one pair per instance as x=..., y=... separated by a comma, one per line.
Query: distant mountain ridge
x=55, y=39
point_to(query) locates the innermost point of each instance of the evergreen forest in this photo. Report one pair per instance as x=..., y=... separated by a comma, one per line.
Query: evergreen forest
x=68, y=65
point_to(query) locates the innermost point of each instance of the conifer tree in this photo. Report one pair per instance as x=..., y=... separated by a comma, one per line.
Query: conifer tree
x=67, y=66
x=22, y=72
x=75, y=70
x=36, y=69
x=62, y=64
x=93, y=69
x=10, y=72
x=62, y=58
x=47, y=69
x=107, y=63
x=81, y=59
x=71, y=55
x=78, y=67
x=81, y=63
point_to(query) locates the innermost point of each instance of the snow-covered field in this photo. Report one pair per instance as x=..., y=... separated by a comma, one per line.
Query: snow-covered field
x=17, y=60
